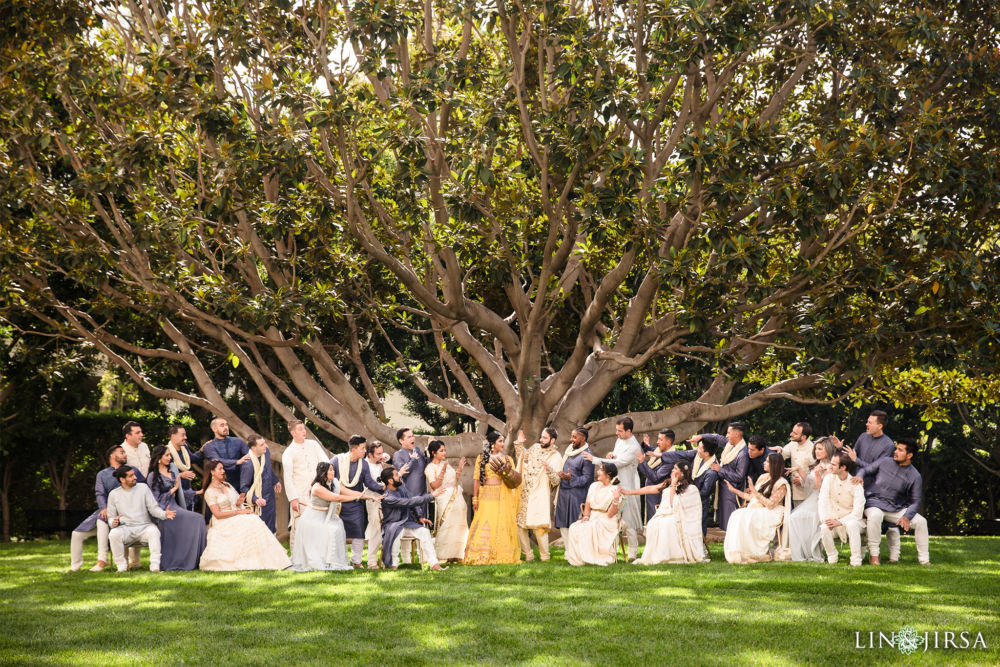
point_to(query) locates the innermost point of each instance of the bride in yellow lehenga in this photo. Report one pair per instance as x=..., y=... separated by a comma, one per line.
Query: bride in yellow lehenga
x=493, y=533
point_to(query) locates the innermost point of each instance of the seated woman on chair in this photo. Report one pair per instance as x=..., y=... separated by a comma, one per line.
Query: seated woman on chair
x=752, y=528
x=594, y=538
x=673, y=534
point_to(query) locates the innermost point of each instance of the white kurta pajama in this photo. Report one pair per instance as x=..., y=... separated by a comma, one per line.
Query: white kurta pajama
x=535, y=511
x=298, y=464
x=843, y=500
x=373, y=531
x=628, y=453
x=135, y=509
x=137, y=457
x=800, y=456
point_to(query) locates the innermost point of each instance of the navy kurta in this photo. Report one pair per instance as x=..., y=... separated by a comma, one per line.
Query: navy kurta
x=573, y=493
x=268, y=513
x=894, y=487
x=400, y=510
x=655, y=471
x=104, y=484
x=229, y=450
x=871, y=450
x=735, y=472
x=355, y=515
x=415, y=479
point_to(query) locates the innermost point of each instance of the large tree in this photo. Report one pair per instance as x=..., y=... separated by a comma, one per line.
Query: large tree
x=549, y=196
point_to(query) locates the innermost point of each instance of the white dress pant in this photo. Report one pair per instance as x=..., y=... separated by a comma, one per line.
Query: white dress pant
x=147, y=534
x=101, y=532
x=849, y=531
x=373, y=532
x=541, y=536
x=77, y=540
x=918, y=523
x=423, y=537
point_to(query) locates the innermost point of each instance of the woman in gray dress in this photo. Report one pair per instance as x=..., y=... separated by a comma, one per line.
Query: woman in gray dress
x=183, y=538
x=320, y=539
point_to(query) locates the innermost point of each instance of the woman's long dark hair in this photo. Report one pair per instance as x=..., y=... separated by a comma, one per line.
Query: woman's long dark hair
x=491, y=438
x=611, y=470
x=211, y=465
x=685, y=480
x=776, y=469
x=154, y=479
x=321, y=469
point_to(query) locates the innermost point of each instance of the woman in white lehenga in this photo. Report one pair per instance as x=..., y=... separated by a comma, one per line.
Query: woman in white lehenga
x=803, y=522
x=451, y=526
x=752, y=528
x=594, y=538
x=320, y=540
x=237, y=538
x=673, y=534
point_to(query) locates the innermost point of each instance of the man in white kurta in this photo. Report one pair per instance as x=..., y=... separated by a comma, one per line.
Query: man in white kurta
x=626, y=456
x=131, y=509
x=298, y=464
x=136, y=451
x=800, y=450
x=841, y=510
x=539, y=465
x=375, y=459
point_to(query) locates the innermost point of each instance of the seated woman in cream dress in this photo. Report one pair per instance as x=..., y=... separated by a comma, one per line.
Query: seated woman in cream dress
x=593, y=539
x=803, y=522
x=752, y=528
x=320, y=539
x=237, y=538
x=673, y=534
x=451, y=525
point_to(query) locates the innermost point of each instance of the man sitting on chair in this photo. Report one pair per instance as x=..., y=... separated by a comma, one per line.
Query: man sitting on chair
x=130, y=510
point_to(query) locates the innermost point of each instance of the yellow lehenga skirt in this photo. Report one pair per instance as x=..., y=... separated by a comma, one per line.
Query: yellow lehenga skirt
x=493, y=533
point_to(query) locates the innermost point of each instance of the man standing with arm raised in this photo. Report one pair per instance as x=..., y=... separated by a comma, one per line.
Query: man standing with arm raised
x=410, y=461
x=872, y=446
x=661, y=463
x=800, y=452
x=232, y=451
x=539, y=470
x=626, y=456
x=733, y=464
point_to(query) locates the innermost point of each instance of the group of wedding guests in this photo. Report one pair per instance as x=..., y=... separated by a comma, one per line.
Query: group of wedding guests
x=780, y=503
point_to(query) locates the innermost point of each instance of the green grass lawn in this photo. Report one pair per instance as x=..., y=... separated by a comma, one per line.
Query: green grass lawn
x=538, y=613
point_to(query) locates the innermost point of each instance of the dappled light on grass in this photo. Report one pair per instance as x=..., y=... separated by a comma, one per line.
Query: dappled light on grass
x=554, y=614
